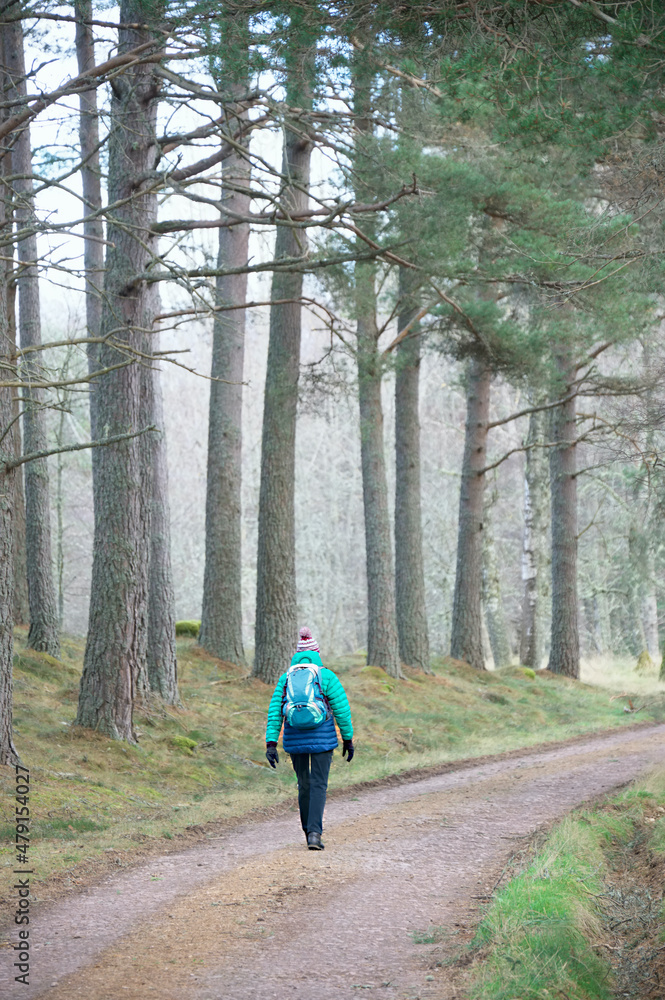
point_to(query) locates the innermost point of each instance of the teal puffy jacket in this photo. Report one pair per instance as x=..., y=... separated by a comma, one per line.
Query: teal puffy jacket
x=324, y=736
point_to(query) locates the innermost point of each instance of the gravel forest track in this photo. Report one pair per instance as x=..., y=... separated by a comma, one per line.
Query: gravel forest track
x=252, y=914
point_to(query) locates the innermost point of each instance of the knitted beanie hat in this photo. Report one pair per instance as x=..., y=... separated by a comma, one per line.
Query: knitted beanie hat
x=307, y=641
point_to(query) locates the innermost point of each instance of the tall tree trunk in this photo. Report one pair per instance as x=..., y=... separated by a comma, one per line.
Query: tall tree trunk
x=221, y=618
x=8, y=450
x=534, y=547
x=409, y=572
x=20, y=600
x=162, y=661
x=115, y=656
x=60, y=524
x=276, y=608
x=497, y=626
x=8, y=753
x=565, y=642
x=43, y=634
x=382, y=646
x=382, y=650
x=651, y=529
x=93, y=229
x=466, y=636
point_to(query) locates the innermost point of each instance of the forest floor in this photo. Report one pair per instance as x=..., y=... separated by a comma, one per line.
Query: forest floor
x=98, y=805
x=251, y=914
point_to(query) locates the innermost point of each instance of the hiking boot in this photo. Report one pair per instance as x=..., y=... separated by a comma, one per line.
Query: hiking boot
x=314, y=842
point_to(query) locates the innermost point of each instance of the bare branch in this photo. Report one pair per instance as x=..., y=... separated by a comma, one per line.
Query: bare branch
x=14, y=463
x=533, y=409
x=77, y=83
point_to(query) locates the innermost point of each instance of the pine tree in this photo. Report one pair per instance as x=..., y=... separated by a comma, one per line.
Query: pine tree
x=221, y=618
x=115, y=657
x=466, y=637
x=8, y=754
x=93, y=229
x=409, y=571
x=382, y=644
x=276, y=624
x=535, y=544
x=565, y=642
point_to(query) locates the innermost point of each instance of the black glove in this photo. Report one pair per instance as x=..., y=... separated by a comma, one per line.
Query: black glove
x=271, y=754
x=348, y=749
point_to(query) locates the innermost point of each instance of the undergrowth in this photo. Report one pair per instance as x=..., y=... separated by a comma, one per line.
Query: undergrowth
x=204, y=762
x=552, y=932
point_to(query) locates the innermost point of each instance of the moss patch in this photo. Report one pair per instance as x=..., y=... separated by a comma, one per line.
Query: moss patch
x=190, y=628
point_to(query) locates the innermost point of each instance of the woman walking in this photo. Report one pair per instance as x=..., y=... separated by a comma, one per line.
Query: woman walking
x=306, y=699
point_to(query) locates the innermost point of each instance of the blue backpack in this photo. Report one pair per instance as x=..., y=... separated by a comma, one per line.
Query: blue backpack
x=304, y=706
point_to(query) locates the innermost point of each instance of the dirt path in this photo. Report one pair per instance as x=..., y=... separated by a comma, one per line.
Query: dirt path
x=253, y=915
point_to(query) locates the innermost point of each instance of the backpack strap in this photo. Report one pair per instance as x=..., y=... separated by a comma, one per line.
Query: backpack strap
x=323, y=696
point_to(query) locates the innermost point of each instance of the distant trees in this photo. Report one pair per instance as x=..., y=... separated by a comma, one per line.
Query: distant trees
x=492, y=598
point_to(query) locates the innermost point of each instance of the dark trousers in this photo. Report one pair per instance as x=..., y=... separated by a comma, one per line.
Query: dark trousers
x=312, y=771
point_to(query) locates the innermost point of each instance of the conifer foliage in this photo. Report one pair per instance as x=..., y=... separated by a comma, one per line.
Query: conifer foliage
x=473, y=186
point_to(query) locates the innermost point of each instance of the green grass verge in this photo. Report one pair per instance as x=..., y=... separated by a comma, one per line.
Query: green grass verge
x=205, y=761
x=542, y=936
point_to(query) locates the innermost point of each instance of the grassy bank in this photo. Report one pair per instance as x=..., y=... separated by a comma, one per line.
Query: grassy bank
x=584, y=919
x=97, y=802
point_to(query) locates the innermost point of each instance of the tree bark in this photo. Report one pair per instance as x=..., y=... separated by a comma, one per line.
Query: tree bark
x=115, y=656
x=276, y=608
x=534, y=547
x=382, y=645
x=59, y=524
x=221, y=618
x=20, y=600
x=93, y=229
x=43, y=633
x=565, y=642
x=162, y=660
x=409, y=571
x=466, y=636
x=497, y=626
x=8, y=754
x=382, y=649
